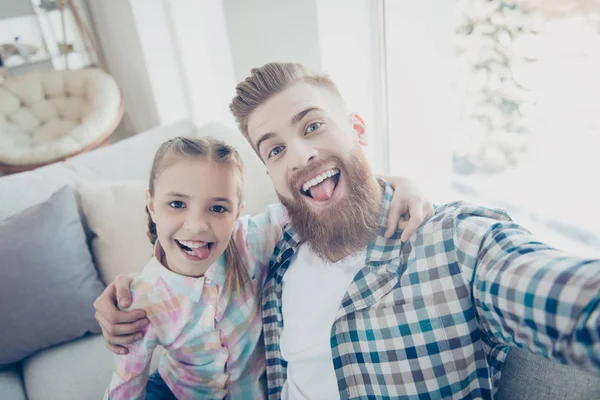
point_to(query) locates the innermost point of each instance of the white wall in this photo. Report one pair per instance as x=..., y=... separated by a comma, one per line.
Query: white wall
x=182, y=58
x=120, y=43
x=261, y=31
x=200, y=33
x=138, y=45
x=348, y=47
x=15, y=8
x=420, y=74
x=162, y=60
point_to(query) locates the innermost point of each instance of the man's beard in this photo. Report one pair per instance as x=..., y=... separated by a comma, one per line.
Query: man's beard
x=349, y=225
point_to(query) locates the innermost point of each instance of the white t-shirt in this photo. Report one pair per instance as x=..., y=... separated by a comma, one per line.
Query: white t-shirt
x=313, y=290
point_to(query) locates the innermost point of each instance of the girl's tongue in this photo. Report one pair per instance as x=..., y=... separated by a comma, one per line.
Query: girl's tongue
x=323, y=190
x=201, y=252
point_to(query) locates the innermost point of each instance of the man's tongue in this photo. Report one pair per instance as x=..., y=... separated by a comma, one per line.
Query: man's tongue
x=323, y=190
x=201, y=252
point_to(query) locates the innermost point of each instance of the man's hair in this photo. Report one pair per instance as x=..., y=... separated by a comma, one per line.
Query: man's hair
x=268, y=80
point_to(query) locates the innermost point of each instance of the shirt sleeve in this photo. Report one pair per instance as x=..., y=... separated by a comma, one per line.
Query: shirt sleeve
x=256, y=237
x=131, y=372
x=527, y=293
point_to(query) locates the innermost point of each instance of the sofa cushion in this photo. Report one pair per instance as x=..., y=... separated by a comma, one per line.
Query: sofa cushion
x=48, y=283
x=78, y=370
x=115, y=214
x=26, y=189
x=526, y=376
x=11, y=383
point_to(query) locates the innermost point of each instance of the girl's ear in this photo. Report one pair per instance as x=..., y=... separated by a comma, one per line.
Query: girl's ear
x=150, y=204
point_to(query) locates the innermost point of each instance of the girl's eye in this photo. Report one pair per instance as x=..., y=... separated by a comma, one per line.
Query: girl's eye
x=313, y=127
x=275, y=151
x=177, y=204
x=218, y=209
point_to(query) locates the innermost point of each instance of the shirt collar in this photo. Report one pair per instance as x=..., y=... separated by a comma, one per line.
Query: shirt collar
x=186, y=285
x=379, y=250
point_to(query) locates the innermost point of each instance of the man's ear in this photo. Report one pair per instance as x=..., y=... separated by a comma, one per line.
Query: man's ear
x=360, y=128
x=150, y=204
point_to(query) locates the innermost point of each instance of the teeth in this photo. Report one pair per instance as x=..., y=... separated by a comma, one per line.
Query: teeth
x=192, y=245
x=318, y=179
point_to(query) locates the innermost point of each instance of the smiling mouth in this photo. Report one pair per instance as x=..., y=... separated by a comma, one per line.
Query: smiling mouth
x=321, y=187
x=195, y=249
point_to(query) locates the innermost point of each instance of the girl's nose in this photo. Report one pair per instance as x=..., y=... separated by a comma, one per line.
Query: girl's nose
x=196, y=223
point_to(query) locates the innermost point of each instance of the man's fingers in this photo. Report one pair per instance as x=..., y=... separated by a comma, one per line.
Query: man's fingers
x=127, y=317
x=123, y=340
x=122, y=283
x=108, y=311
x=429, y=211
x=113, y=329
x=117, y=349
x=393, y=220
x=415, y=210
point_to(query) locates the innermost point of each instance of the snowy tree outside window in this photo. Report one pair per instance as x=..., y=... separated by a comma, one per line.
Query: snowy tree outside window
x=525, y=93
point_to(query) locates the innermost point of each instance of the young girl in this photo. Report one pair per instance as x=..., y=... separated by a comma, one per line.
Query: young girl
x=200, y=289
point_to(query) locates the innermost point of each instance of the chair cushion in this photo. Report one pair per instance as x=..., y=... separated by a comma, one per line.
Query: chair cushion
x=48, y=115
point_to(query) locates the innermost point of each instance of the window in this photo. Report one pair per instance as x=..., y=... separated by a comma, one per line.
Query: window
x=496, y=102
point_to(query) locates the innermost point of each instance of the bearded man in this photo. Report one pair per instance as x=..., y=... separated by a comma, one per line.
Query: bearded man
x=350, y=313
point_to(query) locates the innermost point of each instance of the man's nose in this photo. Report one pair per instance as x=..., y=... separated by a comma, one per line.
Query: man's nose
x=301, y=154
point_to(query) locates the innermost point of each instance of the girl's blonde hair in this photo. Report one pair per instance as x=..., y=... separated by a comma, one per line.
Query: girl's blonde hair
x=212, y=150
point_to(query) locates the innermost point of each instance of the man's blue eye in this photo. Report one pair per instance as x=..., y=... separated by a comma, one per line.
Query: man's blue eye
x=218, y=209
x=313, y=127
x=177, y=204
x=275, y=151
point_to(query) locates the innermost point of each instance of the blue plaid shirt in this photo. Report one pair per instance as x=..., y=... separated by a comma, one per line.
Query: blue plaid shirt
x=434, y=317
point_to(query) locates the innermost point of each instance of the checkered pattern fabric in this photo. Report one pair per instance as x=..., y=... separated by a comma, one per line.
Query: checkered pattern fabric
x=434, y=317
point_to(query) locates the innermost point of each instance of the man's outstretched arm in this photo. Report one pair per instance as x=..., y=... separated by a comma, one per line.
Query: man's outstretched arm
x=529, y=294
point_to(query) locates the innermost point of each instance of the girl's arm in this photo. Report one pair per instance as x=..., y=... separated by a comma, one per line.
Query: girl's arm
x=131, y=373
x=409, y=207
x=256, y=237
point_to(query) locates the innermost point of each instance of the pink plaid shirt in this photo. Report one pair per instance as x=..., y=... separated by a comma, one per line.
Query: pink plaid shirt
x=213, y=340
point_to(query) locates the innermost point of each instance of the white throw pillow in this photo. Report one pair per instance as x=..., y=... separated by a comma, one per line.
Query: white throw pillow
x=115, y=213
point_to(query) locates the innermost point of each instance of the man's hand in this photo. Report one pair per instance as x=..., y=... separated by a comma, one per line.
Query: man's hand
x=408, y=210
x=119, y=327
